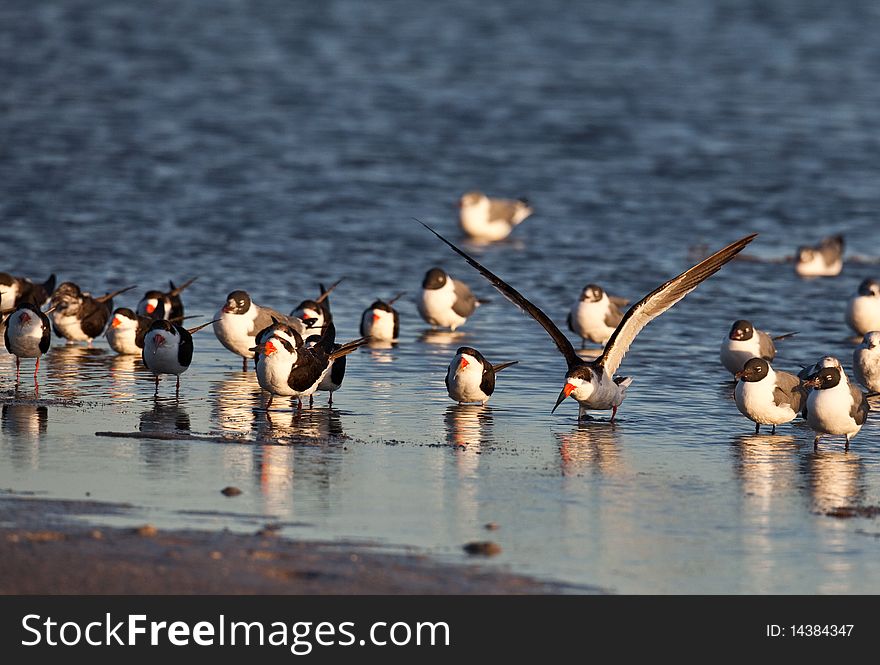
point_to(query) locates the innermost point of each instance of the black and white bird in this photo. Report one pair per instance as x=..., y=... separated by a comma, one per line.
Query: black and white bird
x=834, y=406
x=28, y=335
x=592, y=383
x=168, y=349
x=487, y=220
x=164, y=304
x=127, y=330
x=287, y=367
x=766, y=396
x=77, y=316
x=240, y=320
x=822, y=260
x=445, y=302
x=595, y=315
x=333, y=375
x=380, y=321
x=17, y=290
x=470, y=377
x=863, y=312
x=315, y=314
x=866, y=362
x=745, y=342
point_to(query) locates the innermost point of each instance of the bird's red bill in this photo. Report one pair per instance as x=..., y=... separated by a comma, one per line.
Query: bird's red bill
x=116, y=322
x=270, y=349
x=569, y=389
x=150, y=308
x=464, y=363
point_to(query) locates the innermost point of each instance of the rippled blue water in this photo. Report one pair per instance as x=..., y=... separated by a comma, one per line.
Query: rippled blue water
x=272, y=145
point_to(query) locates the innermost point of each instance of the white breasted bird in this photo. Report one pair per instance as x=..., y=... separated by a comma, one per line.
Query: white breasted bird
x=866, y=361
x=863, y=311
x=595, y=315
x=168, y=349
x=380, y=321
x=470, y=377
x=240, y=320
x=822, y=260
x=288, y=367
x=834, y=406
x=127, y=330
x=15, y=291
x=164, y=304
x=592, y=383
x=486, y=219
x=28, y=335
x=766, y=396
x=79, y=317
x=744, y=342
x=445, y=302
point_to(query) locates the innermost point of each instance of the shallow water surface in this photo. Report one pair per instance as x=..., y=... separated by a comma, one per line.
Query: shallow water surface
x=273, y=145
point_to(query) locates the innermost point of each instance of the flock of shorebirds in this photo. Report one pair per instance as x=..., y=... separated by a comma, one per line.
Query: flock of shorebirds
x=297, y=354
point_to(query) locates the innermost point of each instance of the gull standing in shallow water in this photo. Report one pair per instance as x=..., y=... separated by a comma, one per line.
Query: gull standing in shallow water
x=768, y=397
x=470, y=377
x=835, y=406
x=745, y=342
x=866, y=362
x=168, y=349
x=863, y=312
x=28, y=334
x=592, y=383
x=488, y=220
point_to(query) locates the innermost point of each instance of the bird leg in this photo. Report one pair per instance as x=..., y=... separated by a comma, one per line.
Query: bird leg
x=36, y=369
x=177, y=391
x=816, y=443
x=613, y=413
x=244, y=364
x=846, y=447
x=156, y=394
x=773, y=431
x=331, y=399
x=757, y=428
x=311, y=401
x=269, y=403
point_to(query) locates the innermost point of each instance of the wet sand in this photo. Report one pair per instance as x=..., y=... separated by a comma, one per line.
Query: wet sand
x=44, y=551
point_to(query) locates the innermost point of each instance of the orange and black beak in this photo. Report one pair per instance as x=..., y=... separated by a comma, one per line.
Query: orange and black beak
x=116, y=322
x=375, y=317
x=464, y=363
x=150, y=308
x=269, y=348
x=565, y=392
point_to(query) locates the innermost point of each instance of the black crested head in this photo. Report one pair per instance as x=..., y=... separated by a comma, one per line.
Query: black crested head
x=162, y=324
x=592, y=293
x=237, y=302
x=126, y=312
x=869, y=287
x=381, y=305
x=825, y=378
x=471, y=351
x=435, y=278
x=741, y=331
x=755, y=369
x=157, y=295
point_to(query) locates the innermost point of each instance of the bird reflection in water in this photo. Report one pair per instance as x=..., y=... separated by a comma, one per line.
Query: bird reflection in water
x=274, y=468
x=124, y=373
x=590, y=446
x=235, y=402
x=74, y=371
x=441, y=337
x=23, y=427
x=766, y=464
x=468, y=429
x=835, y=479
x=315, y=425
x=380, y=351
x=166, y=417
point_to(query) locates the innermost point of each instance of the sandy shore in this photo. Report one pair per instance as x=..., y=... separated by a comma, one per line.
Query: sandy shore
x=45, y=552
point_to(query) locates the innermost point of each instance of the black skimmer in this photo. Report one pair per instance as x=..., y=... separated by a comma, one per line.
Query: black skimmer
x=822, y=260
x=834, y=406
x=77, y=316
x=445, y=302
x=168, y=349
x=164, y=305
x=745, y=342
x=866, y=361
x=592, y=383
x=240, y=320
x=28, y=335
x=17, y=290
x=470, y=377
x=316, y=313
x=127, y=330
x=766, y=396
x=595, y=315
x=380, y=321
x=486, y=219
x=863, y=312
x=288, y=367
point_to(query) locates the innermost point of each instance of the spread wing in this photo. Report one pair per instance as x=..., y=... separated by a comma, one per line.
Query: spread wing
x=765, y=346
x=860, y=407
x=661, y=299
x=465, y=301
x=789, y=391
x=514, y=296
x=613, y=316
